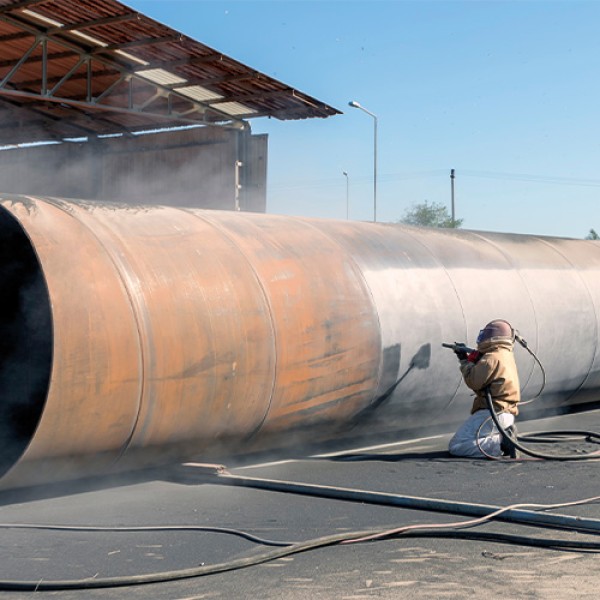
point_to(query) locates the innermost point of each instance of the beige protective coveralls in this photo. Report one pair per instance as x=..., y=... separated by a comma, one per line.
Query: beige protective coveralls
x=497, y=369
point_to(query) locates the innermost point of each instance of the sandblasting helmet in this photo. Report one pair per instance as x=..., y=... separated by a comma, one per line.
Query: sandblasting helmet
x=494, y=329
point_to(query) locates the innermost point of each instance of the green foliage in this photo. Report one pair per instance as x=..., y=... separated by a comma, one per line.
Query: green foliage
x=432, y=214
x=592, y=235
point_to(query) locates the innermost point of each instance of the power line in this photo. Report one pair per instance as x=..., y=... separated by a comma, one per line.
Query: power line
x=437, y=173
x=335, y=182
x=547, y=179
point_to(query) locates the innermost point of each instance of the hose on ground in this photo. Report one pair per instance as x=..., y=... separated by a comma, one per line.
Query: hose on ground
x=507, y=513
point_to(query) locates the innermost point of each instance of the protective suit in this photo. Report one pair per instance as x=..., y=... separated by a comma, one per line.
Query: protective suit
x=492, y=365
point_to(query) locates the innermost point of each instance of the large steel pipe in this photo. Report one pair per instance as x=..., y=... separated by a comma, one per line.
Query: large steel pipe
x=133, y=335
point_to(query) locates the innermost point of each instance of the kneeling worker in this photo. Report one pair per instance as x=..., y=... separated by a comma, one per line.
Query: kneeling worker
x=491, y=366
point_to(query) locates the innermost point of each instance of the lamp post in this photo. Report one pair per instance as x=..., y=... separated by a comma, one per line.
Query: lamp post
x=354, y=104
x=347, y=193
x=452, y=176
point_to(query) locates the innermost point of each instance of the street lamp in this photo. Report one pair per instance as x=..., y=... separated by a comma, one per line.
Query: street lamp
x=347, y=193
x=452, y=177
x=354, y=104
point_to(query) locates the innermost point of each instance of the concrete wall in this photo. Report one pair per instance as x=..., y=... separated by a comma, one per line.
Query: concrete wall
x=194, y=167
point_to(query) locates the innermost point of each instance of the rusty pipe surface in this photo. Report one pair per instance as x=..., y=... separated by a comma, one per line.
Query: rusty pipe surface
x=134, y=335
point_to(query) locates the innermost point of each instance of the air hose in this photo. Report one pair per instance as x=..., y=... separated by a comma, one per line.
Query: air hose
x=217, y=474
x=524, y=344
x=257, y=559
x=543, y=437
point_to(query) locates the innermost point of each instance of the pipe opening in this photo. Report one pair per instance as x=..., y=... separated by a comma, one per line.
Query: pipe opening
x=25, y=341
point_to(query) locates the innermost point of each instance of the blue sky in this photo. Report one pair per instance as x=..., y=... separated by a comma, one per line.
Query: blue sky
x=506, y=93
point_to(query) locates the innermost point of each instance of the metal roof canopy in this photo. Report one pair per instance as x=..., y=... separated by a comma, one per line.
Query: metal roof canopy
x=88, y=68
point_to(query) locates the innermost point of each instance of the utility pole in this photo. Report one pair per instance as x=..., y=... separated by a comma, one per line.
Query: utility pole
x=452, y=195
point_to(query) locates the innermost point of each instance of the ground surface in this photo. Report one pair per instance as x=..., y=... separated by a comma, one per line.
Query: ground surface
x=398, y=568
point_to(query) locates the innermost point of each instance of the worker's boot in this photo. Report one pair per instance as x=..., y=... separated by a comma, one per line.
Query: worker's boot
x=507, y=445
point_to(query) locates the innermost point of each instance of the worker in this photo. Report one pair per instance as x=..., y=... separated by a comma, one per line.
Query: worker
x=491, y=366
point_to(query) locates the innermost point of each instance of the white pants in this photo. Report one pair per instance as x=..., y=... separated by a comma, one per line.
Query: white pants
x=480, y=425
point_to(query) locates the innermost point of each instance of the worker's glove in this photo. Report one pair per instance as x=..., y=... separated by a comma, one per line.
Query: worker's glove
x=459, y=350
x=474, y=356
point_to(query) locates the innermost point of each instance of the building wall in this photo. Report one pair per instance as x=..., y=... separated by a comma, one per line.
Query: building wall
x=193, y=167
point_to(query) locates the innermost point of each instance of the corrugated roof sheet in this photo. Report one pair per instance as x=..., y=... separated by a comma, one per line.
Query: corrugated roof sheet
x=92, y=67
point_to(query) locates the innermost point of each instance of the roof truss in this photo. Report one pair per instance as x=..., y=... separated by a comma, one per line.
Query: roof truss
x=98, y=67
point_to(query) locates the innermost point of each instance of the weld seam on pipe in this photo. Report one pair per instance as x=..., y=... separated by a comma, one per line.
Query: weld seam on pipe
x=362, y=280
x=510, y=261
x=123, y=271
x=595, y=322
x=265, y=296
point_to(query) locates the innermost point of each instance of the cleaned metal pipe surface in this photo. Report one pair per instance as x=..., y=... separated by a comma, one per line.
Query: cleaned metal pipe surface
x=131, y=335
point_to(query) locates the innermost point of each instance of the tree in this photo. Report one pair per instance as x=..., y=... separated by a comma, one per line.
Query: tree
x=592, y=235
x=427, y=214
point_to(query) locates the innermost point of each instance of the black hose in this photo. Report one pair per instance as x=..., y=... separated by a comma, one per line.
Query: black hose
x=525, y=345
x=564, y=457
x=236, y=532
x=509, y=538
x=560, y=437
x=128, y=580
x=485, y=512
x=321, y=542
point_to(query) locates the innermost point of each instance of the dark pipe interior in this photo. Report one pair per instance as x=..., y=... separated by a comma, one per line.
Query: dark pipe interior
x=25, y=341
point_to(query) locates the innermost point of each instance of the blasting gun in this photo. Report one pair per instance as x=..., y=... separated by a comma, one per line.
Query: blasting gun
x=463, y=351
x=459, y=347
